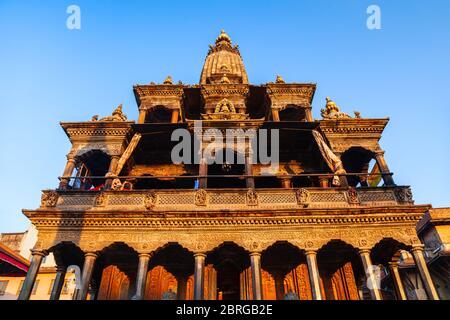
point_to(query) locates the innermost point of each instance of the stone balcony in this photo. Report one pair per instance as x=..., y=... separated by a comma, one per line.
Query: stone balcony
x=224, y=200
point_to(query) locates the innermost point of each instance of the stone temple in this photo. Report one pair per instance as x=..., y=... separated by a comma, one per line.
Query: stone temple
x=328, y=222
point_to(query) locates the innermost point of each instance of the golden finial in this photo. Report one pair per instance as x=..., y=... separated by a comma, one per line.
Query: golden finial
x=223, y=37
x=168, y=80
x=225, y=79
x=279, y=79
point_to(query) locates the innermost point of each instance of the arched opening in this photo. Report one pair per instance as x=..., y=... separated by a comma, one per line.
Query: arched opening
x=384, y=252
x=356, y=160
x=170, y=270
x=341, y=272
x=159, y=114
x=230, y=266
x=71, y=257
x=223, y=167
x=286, y=264
x=94, y=163
x=115, y=273
x=292, y=113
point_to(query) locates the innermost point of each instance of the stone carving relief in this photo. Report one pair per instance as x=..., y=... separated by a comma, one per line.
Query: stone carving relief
x=100, y=200
x=352, y=196
x=252, y=198
x=150, y=201
x=49, y=199
x=303, y=197
x=404, y=195
x=201, y=197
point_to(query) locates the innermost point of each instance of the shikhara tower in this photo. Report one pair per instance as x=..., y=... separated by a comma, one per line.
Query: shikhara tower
x=140, y=227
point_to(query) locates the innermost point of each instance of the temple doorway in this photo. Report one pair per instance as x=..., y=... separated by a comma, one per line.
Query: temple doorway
x=228, y=263
x=228, y=278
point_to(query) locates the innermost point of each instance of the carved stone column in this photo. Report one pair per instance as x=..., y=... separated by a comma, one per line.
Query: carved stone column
x=314, y=277
x=88, y=268
x=397, y=279
x=68, y=171
x=372, y=283
x=141, y=278
x=343, y=179
x=255, y=260
x=203, y=171
x=58, y=283
x=175, y=116
x=249, y=171
x=33, y=270
x=421, y=264
x=324, y=182
x=308, y=114
x=199, y=276
x=275, y=115
x=286, y=182
x=381, y=162
x=142, y=115
x=112, y=168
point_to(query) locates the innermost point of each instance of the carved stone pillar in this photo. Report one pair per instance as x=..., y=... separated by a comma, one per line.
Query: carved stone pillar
x=308, y=114
x=175, y=116
x=199, y=276
x=276, y=115
x=112, y=168
x=142, y=115
x=203, y=171
x=88, y=268
x=343, y=179
x=286, y=182
x=33, y=270
x=249, y=171
x=141, y=278
x=314, y=277
x=68, y=171
x=324, y=182
x=372, y=282
x=421, y=264
x=396, y=278
x=58, y=283
x=385, y=172
x=255, y=260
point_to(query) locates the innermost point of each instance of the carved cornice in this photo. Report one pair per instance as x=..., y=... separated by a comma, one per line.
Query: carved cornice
x=77, y=130
x=83, y=220
x=305, y=91
x=225, y=90
x=357, y=126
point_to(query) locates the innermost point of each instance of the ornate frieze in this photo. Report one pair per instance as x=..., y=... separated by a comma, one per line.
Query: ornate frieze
x=203, y=200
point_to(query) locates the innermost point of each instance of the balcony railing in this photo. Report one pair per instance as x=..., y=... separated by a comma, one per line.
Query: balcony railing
x=230, y=199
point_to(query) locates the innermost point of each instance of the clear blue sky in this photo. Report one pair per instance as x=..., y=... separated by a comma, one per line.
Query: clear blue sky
x=50, y=74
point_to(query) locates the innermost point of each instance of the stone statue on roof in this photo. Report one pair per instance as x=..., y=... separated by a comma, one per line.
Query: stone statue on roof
x=117, y=115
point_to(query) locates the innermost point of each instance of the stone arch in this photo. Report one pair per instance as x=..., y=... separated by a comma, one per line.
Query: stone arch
x=356, y=159
x=91, y=162
x=286, y=264
x=340, y=270
x=115, y=272
x=69, y=256
x=387, y=249
x=230, y=273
